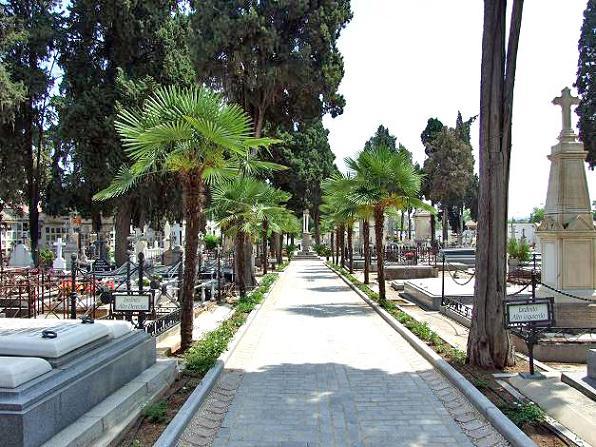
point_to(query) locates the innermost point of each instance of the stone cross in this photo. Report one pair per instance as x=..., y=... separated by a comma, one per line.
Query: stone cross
x=59, y=263
x=59, y=244
x=566, y=100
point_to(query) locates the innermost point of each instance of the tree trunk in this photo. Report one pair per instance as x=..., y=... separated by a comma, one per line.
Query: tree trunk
x=342, y=239
x=193, y=207
x=337, y=244
x=445, y=224
x=317, y=223
x=245, y=277
x=410, y=223
x=401, y=226
x=350, y=248
x=366, y=237
x=489, y=345
x=379, y=221
x=264, y=255
x=122, y=229
x=433, y=230
x=278, y=244
x=333, y=247
x=239, y=263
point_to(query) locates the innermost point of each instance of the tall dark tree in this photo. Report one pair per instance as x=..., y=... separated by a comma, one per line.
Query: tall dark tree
x=489, y=345
x=23, y=140
x=279, y=60
x=586, y=74
x=433, y=126
x=108, y=46
x=12, y=93
x=449, y=170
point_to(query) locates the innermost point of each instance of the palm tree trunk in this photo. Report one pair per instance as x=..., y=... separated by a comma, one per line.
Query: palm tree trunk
x=193, y=208
x=337, y=243
x=264, y=258
x=401, y=226
x=350, y=249
x=379, y=221
x=366, y=237
x=240, y=261
x=333, y=247
x=279, y=239
x=342, y=238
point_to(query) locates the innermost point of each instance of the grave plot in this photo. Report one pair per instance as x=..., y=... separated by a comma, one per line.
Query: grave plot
x=56, y=371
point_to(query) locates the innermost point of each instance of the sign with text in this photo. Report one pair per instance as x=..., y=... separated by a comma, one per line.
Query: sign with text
x=538, y=312
x=139, y=302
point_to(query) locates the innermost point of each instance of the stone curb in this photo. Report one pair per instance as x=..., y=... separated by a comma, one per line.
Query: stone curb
x=500, y=422
x=178, y=424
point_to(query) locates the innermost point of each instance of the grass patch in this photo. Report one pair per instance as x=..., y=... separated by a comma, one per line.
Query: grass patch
x=156, y=412
x=281, y=267
x=201, y=356
x=523, y=413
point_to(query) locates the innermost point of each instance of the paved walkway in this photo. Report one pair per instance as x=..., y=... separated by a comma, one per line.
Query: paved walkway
x=318, y=367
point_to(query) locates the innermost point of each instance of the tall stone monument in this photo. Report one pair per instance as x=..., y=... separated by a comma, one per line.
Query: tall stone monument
x=422, y=226
x=306, y=242
x=567, y=233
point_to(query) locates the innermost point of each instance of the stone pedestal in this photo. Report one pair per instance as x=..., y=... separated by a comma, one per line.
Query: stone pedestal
x=306, y=242
x=422, y=225
x=592, y=364
x=567, y=233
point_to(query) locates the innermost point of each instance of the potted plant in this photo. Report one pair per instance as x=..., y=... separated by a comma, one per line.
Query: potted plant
x=518, y=251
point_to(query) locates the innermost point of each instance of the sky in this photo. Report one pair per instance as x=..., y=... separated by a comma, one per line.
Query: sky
x=408, y=60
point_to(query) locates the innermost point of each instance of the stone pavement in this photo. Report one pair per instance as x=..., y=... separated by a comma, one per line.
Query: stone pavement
x=318, y=367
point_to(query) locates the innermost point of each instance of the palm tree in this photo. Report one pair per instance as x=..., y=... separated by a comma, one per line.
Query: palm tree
x=193, y=134
x=384, y=179
x=339, y=205
x=342, y=208
x=244, y=208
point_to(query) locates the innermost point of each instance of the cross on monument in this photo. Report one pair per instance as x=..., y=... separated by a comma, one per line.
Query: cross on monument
x=566, y=100
x=59, y=262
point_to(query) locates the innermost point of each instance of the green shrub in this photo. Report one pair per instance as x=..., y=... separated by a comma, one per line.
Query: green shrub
x=156, y=412
x=46, y=257
x=290, y=249
x=211, y=241
x=523, y=413
x=519, y=250
x=458, y=356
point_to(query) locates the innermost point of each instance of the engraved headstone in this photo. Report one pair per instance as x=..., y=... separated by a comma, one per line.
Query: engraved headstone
x=20, y=257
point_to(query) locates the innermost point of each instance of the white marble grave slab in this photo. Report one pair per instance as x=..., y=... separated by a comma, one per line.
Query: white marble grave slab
x=117, y=328
x=23, y=337
x=15, y=371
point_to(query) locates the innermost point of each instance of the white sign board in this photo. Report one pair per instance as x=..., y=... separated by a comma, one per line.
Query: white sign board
x=132, y=303
x=525, y=313
x=521, y=312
